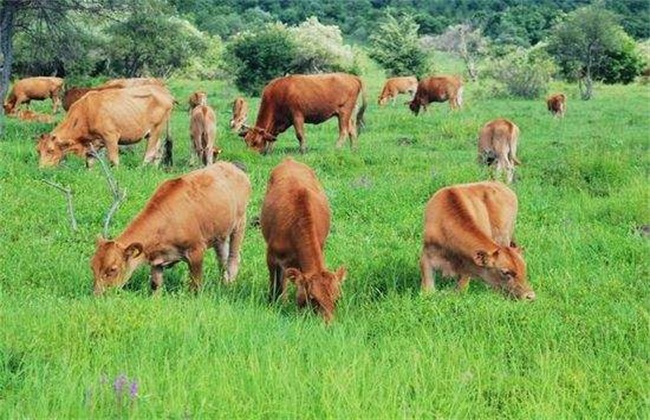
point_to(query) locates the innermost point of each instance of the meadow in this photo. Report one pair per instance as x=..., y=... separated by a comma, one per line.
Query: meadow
x=581, y=350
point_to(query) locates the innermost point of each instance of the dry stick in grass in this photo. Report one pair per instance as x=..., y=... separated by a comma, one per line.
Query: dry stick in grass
x=119, y=195
x=68, y=196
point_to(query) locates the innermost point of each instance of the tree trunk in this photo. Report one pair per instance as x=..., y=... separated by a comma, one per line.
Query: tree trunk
x=7, y=14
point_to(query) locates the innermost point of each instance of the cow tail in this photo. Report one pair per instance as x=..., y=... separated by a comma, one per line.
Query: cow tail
x=168, y=154
x=512, y=153
x=364, y=103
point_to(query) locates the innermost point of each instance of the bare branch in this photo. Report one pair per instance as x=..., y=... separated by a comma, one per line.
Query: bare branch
x=119, y=195
x=68, y=195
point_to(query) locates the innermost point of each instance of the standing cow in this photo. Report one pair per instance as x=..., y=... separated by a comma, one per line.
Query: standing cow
x=184, y=217
x=239, y=114
x=396, y=85
x=295, y=223
x=468, y=232
x=497, y=142
x=438, y=89
x=34, y=88
x=108, y=118
x=556, y=104
x=203, y=132
x=313, y=99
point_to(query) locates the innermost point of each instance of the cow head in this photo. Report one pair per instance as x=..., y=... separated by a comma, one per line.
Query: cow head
x=257, y=138
x=383, y=100
x=321, y=290
x=50, y=150
x=505, y=269
x=113, y=263
x=8, y=107
x=414, y=105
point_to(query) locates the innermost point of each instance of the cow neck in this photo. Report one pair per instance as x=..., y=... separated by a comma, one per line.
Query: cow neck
x=265, y=121
x=310, y=255
x=465, y=233
x=137, y=231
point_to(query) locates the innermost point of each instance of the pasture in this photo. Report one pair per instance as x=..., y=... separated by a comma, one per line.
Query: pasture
x=580, y=350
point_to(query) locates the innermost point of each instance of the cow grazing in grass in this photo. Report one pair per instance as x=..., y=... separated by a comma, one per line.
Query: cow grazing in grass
x=197, y=98
x=239, y=114
x=312, y=99
x=31, y=116
x=203, y=132
x=295, y=223
x=396, y=85
x=108, y=118
x=556, y=104
x=184, y=217
x=34, y=88
x=497, y=143
x=438, y=89
x=468, y=231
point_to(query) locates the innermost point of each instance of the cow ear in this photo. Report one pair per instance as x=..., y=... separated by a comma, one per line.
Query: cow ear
x=99, y=240
x=516, y=247
x=133, y=250
x=341, y=274
x=486, y=258
x=294, y=275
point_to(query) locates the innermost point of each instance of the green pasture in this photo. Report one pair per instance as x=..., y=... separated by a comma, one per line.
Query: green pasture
x=581, y=350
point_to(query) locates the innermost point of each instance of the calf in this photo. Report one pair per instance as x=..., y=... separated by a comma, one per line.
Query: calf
x=468, y=232
x=34, y=88
x=295, y=223
x=239, y=114
x=556, y=104
x=196, y=99
x=396, y=85
x=203, y=131
x=497, y=142
x=185, y=216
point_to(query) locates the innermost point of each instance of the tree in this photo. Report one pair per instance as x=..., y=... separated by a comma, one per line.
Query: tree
x=588, y=44
x=466, y=42
x=319, y=48
x=523, y=73
x=394, y=45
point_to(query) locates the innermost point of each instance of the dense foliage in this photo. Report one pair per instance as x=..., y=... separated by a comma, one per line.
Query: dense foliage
x=522, y=73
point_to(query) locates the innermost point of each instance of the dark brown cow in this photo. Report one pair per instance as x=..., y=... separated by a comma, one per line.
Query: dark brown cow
x=438, y=89
x=108, y=118
x=313, y=99
x=556, y=104
x=73, y=94
x=185, y=216
x=396, y=85
x=295, y=223
x=239, y=114
x=468, y=232
x=34, y=88
x=497, y=143
x=203, y=132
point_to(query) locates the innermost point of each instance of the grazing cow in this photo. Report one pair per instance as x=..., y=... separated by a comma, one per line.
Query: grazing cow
x=203, y=131
x=556, y=104
x=29, y=115
x=313, y=99
x=438, y=89
x=186, y=215
x=295, y=223
x=34, y=88
x=396, y=85
x=196, y=99
x=239, y=114
x=132, y=82
x=497, y=142
x=468, y=232
x=108, y=118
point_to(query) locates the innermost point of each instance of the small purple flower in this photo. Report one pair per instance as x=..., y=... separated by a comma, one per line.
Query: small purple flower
x=119, y=383
x=133, y=389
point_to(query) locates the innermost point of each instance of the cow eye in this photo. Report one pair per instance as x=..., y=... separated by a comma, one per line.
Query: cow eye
x=507, y=273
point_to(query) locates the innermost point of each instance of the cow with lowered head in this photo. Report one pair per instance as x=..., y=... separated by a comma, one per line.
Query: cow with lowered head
x=203, y=209
x=295, y=223
x=312, y=99
x=468, y=232
x=396, y=85
x=34, y=88
x=438, y=89
x=239, y=114
x=556, y=104
x=497, y=144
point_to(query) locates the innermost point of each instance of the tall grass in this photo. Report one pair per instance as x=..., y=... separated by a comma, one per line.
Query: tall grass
x=580, y=350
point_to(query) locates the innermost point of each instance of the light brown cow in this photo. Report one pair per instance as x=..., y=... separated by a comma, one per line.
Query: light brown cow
x=184, y=217
x=203, y=132
x=295, y=223
x=396, y=85
x=497, y=142
x=132, y=82
x=197, y=98
x=108, y=118
x=31, y=116
x=556, y=104
x=468, y=232
x=438, y=89
x=313, y=99
x=34, y=88
x=239, y=114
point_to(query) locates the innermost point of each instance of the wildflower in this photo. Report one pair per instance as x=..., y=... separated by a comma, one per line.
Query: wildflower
x=119, y=383
x=133, y=389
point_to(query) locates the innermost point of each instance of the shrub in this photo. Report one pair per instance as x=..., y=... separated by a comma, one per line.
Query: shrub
x=523, y=73
x=320, y=48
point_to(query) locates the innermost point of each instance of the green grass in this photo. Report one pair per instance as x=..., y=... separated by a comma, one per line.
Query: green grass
x=581, y=350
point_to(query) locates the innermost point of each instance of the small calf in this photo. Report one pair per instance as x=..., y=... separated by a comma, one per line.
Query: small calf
x=497, y=142
x=556, y=104
x=203, y=132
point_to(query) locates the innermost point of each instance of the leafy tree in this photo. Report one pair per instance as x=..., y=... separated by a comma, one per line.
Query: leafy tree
x=320, y=48
x=523, y=73
x=394, y=45
x=590, y=45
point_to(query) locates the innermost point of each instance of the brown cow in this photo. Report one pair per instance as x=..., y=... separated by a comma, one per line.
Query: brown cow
x=203, y=132
x=396, y=85
x=438, y=89
x=185, y=216
x=468, y=232
x=34, y=88
x=556, y=104
x=295, y=223
x=73, y=94
x=197, y=98
x=239, y=114
x=313, y=99
x=132, y=82
x=29, y=115
x=107, y=118
x=497, y=142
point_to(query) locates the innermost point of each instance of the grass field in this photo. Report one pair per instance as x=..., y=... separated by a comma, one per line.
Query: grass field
x=582, y=349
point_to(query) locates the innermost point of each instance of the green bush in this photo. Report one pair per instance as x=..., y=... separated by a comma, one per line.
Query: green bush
x=523, y=73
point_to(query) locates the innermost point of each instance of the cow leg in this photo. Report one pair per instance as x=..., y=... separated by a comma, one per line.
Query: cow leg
x=236, y=238
x=352, y=133
x=112, y=149
x=221, y=250
x=299, y=126
x=195, y=261
x=344, y=119
x=156, y=279
x=277, y=282
x=463, y=281
x=427, y=279
x=153, y=152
